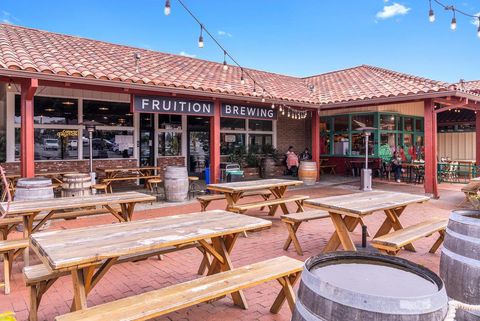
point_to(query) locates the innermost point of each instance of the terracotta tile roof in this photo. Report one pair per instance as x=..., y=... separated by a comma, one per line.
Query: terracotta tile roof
x=368, y=82
x=473, y=85
x=26, y=49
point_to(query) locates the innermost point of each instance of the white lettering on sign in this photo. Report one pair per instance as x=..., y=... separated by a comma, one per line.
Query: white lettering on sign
x=228, y=109
x=207, y=109
x=254, y=112
x=155, y=104
x=145, y=103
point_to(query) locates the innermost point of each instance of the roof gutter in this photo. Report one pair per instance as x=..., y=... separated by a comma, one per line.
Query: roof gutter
x=133, y=87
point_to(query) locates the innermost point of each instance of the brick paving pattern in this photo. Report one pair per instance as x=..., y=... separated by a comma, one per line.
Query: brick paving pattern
x=133, y=278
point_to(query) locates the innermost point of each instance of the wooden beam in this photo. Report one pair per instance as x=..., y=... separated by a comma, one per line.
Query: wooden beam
x=430, y=133
x=316, y=140
x=215, y=143
x=27, y=135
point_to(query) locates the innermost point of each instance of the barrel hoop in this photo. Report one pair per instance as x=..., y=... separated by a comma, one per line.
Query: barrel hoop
x=457, y=216
x=461, y=258
x=385, y=305
x=305, y=313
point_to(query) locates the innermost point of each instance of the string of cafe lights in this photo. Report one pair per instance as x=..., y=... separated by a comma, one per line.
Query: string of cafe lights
x=455, y=11
x=284, y=109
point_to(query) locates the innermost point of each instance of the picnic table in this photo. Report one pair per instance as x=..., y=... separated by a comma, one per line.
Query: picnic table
x=139, y=172
x=88, y=253
x=28, y=210
x=235, y=190
x=346, y=212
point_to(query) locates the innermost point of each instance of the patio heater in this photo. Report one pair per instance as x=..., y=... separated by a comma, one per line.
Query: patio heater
x=366, y=175
x=90, y=126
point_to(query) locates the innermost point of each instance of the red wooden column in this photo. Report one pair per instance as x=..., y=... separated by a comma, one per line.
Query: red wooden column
x=430, y=132
x=477, y=136
x=27, y=138
x=215, y=143
x=316, y=140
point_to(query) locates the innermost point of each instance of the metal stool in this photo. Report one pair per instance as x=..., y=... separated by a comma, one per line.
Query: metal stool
x=153, y=184
x=193, y=186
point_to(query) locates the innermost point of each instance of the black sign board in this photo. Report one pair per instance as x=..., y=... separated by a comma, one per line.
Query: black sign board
x=169, y=105
x=253, y=112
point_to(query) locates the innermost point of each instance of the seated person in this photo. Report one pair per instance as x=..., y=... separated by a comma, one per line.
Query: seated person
x=305, y=156
x=292, y=161
x=397, y=166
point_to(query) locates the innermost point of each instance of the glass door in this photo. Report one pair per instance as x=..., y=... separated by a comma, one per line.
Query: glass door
x=147, y=156
x=198, y=145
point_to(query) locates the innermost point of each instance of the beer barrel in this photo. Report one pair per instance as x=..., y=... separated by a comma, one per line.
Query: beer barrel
x=76, y=184
x=345, y=286
x=307, y=172
x=176, y=184
x=460, y=261
x=38, y=188
x=267, y=167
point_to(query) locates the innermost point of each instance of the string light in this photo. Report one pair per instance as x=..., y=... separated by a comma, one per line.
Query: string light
x=453, y=24
x=273, y=106
x=9, y=86
x=280, y=108
x=254, y=87
x=431, y=14
x=200, y=39
x=242, y=80
x=225, y=65
x=167, y=8
x=478, y=29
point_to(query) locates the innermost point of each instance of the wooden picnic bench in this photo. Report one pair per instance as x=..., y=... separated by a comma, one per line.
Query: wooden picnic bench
x=331, y=169
x=293, y=221
x=471, y=191
x=205, y=200
x=348, y=211
x=7, y=250
x=392, y=243
x=273, y=204
x=155, y=303
x=147, y=178
x=88, y=253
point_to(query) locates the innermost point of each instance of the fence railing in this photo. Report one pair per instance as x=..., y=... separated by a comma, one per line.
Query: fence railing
x=454, y=172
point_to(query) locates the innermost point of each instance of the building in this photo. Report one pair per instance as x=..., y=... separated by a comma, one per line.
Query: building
x=161, y=109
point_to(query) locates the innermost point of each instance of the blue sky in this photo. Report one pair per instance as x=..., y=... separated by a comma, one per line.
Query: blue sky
x=299, y=38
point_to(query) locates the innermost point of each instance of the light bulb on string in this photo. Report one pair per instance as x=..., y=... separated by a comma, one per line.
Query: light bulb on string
x=254, y=87
x=453, y=24
x=167, y=8
x=200, y=39
x=273, y=106
x=225, y=65
x=9, y=86
x=242, y=80
x=431, y=14
x=288, y=114
x=280, y=108
x=263, y=95
x=283, y=112
x=478, y=29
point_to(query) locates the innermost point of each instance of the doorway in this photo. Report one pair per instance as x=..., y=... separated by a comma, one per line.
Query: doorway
x=198, y=132
x=147, y=132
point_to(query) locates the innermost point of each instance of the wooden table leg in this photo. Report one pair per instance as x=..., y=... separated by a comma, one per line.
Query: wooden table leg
x=387, y=224
x=287, y=293
x=292, y=228
x=232, y=199
x=127, y=211
x=27, y=231
x=117, y=215
x=79, y=293
x=346, y=224
x=392, y=220
x=278, y=192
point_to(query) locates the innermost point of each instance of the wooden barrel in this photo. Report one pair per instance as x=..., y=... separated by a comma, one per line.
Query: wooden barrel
x=38, y=188
x=307, y=172
x=76, y=184
x=460, y=260
x=267, y=167
x=345, y=286
x=176, y=184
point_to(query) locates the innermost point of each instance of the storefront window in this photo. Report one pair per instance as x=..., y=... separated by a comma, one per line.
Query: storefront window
x=388, y=122
x=358, y=145
x=408, y=124
x=230, y=142
x=260, y=125
x=170, y=121
x=340, y=144
x=419, y=125
x=170, y=143
x=260, y=139
x=340, y=123
x=50, y=110
x=388, y=139
x=108, y=113
x=368, y=120
x=232, y=123
x=109, y=144
x=51, y=144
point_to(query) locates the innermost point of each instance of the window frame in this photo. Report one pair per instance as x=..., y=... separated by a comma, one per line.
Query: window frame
x=247, y=132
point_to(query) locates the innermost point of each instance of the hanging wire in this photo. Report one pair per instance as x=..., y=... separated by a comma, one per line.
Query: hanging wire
x=455, y=10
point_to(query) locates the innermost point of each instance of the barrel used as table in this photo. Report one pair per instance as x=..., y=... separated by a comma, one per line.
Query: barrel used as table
x=37, y=188
x=307, y=172
x=267, y=167
x=176, y=184
x=76, y=184
x=460, y=261
x=345, y=286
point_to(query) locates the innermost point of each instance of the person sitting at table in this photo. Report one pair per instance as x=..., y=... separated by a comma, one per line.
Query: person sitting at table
x=292, y=161
x=305, y=155
x=397, y=166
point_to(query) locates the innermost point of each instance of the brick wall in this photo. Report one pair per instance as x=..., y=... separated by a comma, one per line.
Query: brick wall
x=292, y=132
x=163, y=162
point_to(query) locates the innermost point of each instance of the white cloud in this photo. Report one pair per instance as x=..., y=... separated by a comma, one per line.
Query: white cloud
x=185, y=54
x=222, y=33
x=6, y=17
x=475, y=20
x=393, y=10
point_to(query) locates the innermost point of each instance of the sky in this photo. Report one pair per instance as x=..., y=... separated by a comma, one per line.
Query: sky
x=298, y=38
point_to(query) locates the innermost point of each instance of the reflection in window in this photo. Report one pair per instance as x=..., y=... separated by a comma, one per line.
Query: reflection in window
x=340, y=144
x=109, y=144
x=232, y=123
x=51, y=144
x=340, y=123
x=260, y=125
x=358, y=144
x=419, y=125
x=368, y=120
x=388, y=139
x=170, y=144
x=260, y=139
x=170, y=121
x=408, y=124
x=230, y=142
x=388, y=122
x=49, y=110
x=108, y=113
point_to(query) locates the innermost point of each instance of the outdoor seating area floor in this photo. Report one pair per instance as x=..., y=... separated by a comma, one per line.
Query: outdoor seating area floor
x=128, y=279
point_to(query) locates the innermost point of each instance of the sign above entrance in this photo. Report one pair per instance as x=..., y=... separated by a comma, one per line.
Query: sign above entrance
x=254, y=112
x=169, y=105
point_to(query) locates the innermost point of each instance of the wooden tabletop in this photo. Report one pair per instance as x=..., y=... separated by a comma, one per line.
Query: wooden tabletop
x=27, y=207
x=40, y=173
x=125, y=169
x=365, y=203
x=72, y=248
x=252, y=185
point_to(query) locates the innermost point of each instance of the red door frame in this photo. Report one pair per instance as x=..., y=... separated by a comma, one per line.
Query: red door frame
x=316, y=140
x=215, y=143
x=27, y=135
x=430, y=132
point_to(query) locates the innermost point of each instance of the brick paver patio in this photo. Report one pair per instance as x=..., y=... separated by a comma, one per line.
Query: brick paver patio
x=133, y=278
